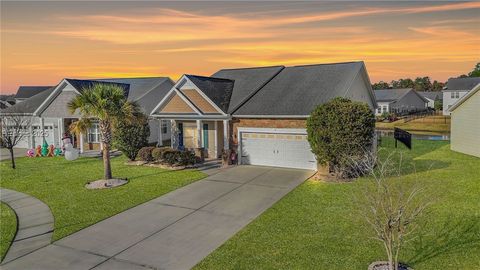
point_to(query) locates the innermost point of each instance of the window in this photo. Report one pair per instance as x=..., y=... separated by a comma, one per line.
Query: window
x=94, y=133
x=164, y=127
x=452, y=95
x=457, y=94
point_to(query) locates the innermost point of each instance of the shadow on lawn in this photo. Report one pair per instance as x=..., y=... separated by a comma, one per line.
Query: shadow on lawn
x=456, y=235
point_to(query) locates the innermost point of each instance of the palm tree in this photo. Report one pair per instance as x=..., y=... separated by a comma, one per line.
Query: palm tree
x=107, y=104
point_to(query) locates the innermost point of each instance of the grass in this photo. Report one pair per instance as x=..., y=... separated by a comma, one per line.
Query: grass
x=60, y=184
x=317, y=226
x=8, y=225
x=427, y=124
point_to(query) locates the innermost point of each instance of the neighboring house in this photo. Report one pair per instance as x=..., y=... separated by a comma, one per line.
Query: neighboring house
x=51, y=117
x=399, y=101
x=465, y=123
x=432, y=97
x=455, y=89
x=259, y=112
x=6, y=101
x=25, y=92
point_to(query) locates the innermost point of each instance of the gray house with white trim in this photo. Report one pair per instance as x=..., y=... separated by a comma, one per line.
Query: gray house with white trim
x=259, y=112
x=51, y=117
x=399, y=101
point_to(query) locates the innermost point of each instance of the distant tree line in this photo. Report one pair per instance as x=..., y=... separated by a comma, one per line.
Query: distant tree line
x=421, y=83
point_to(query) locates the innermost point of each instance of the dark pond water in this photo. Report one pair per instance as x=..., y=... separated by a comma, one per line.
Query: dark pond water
x=430, y=137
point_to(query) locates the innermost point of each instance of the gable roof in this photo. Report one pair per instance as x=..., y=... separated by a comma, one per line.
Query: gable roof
x=391, y=94
x=80, y=85
x=30, y=105
x=462, y=83
x=297, y=90
x=150, y=99
x=138, y=86
x=464, y=98
x=24, y=92
x=247, y=81
x=433, y=95
x=217, y=90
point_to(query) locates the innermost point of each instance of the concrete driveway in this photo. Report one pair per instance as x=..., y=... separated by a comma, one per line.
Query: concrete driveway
x=174, y=231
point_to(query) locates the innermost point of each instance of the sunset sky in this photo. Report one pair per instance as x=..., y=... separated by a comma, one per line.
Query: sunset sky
x=43, y=42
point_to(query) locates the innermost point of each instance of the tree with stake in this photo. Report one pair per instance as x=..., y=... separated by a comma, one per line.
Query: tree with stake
x=108, y=104
x=14, y=128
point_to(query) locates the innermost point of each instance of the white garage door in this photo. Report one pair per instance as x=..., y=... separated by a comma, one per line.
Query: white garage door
x=277, y=149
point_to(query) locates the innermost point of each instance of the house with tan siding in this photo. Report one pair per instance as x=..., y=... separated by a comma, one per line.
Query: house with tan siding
x=259, y=113
x=465, y=123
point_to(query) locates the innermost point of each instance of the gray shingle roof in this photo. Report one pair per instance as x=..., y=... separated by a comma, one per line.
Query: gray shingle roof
x=80, y=85
x=462, y=83
x=433, y=95
x=247, y=82
x=138, y=86
x=31, y=104
x=217, y=90
x=298, y=90
x=390, y=94
x=30, y=91
x=150, y=99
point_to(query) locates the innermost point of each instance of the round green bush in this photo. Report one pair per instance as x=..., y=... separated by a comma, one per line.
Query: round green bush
x=340, y=131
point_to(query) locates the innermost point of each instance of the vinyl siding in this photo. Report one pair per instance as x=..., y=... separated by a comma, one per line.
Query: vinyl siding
x=465, y=129
x=176, y=105
x=58, y=107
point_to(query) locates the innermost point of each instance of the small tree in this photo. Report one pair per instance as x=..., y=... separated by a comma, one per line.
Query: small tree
x=339, y=130
x=130, y=137
x=389, y=205
x=108, y=104
x=14, y=128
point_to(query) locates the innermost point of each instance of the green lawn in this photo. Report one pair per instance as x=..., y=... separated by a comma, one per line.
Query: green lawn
x=60, y=184
x=8, y=225
x=317, y=225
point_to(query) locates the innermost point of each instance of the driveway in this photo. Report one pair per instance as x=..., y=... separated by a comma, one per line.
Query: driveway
x=174, y=231
x=17, y=152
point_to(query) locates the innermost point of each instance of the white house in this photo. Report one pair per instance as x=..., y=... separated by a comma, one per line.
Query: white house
x=465, y=123
x=455, y=89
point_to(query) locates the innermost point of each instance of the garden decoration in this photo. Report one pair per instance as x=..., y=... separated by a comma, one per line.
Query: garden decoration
x=70, y=152
x=44, y=148
x=51, y=148
x=31, y=153
x=57, y=152
x=38, y=151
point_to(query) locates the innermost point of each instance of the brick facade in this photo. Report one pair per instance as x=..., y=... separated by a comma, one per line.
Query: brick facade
x=263, y=123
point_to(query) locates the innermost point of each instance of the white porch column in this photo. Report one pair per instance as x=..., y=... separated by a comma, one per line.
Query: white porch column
x=226, y=140
x=160, y=135
x=81, y=142
x=173, y=134
x=60, y=131
x=215, y=137
x=31, y=137
x=199, y=134
x=42, y=128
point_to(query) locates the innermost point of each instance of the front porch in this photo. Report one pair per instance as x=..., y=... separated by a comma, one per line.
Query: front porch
x=209, y=136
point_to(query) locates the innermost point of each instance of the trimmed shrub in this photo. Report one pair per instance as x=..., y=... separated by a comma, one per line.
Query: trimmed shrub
x=186, y=158
x=339, y=131
x=130, y=137
x=157, y=153
x=145, y=153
